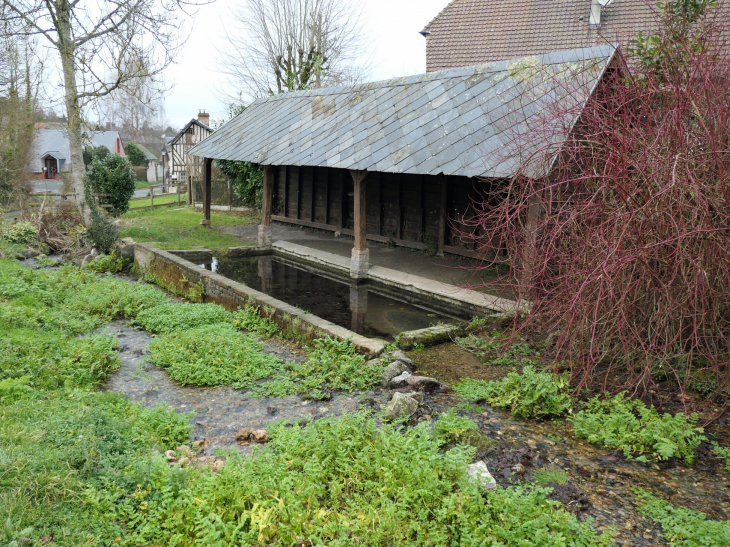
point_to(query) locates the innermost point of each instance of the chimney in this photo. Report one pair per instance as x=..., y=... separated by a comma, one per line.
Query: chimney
x=108, y=126
x=204, y=118
x=595, y=17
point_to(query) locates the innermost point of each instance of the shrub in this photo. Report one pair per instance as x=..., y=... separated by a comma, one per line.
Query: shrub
x=92, y=153
x=112, y=176
x=22, y=233
x=630, y=426
x=338, y=481
x=134, y=154
x=527, y=395
x=213, y=355
x=247, y=180
x=452, y=428
x=623, y=252
x=683, y=527
x=171, y=317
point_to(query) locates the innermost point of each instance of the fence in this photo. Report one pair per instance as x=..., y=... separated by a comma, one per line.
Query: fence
x=221, y=191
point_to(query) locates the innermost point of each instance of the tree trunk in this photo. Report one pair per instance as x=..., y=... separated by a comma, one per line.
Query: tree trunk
x=66, y=49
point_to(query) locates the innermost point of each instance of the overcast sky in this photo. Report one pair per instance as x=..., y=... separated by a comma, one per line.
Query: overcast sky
x=397, y=49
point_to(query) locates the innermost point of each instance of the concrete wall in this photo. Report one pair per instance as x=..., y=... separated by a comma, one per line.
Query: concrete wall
x=185, y=278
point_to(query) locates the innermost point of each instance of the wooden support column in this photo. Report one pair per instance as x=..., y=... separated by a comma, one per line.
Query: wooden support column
x=265, y=226
x=207, y=184
x=359, y=262
x=442, y=215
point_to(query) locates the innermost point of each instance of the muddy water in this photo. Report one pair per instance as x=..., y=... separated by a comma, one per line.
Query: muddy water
x=218, y=412
x=605, y=478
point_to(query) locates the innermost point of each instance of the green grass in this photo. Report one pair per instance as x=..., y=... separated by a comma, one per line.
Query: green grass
x=144, y=184
x=180, y=228
x=545, y=475
x=161, y=199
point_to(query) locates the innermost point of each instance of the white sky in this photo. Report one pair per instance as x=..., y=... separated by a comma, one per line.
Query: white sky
x=397, y=49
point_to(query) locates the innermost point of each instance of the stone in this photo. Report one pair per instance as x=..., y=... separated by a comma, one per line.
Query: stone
x=401, y=378
x=94, y=252
x=244, y=433
x=400, y=407
x=127, y=241
x=479, y=474
x=184, y=461
x=199, y=445
x=359, y=263
x=417, y=395
x=217, y=465
x=170, y=456
x=184, y=449
x=424, y=382
x=400, y=355
x=86, y=260
x=30, y=253
x=127, y=251
x=392, y=370
x=260, y=436
x=518, y=469
x=117, y=222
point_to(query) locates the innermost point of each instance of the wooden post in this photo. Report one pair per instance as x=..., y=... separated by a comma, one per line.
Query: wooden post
x=266, y=205
x=360, y=253
x=152, y=198
x=442, y=215
x=207, y=185
x=191, y=197
x=177, y=188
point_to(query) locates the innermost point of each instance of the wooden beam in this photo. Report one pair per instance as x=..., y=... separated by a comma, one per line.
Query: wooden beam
x=442, y=215
x=207, y=185
x=266, y=202
x=399, y=209
x=360, y=219
x=299, y=193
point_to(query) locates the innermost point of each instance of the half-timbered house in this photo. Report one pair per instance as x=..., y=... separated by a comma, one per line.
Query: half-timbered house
x=183, y=167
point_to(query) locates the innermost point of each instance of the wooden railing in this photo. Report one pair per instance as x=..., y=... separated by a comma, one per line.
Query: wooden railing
x=180, y=190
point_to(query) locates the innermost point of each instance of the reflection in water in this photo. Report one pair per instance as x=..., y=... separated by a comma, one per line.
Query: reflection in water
x=355, y=307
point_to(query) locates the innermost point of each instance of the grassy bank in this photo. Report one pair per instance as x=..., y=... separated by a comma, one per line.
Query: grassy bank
x=180, y=228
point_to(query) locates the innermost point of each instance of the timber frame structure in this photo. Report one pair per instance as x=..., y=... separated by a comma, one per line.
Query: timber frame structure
x=401, y=161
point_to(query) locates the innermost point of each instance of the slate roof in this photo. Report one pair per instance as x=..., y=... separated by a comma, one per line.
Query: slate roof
x=54, y=142
x=461, y=121
x=184, y=129
x=468, y=32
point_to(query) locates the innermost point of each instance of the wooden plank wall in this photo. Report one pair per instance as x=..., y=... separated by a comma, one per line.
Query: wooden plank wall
x=402, y=208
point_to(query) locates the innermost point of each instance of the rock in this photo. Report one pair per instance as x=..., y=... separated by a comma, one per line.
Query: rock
x=400, y=407
x=41, y=256
x=217, y=465
x=518, y=469
x=417, y=395
x=86, y=260
x=400, y=355
x=260, y=436
x=479, y=473
x=423, y=382
x=126, y=241
x=400, y=379
x=117, y=222
x=171, y=456
x=184, y=449
x=392, y=370
x=127, y=251
x=94, y=252
x=244, y=433
x=30, y=253
x=271, y=410
x=369, y=402
x=183, y=461
x=199, y=445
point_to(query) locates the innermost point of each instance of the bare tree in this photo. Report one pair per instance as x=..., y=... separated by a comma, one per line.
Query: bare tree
x=286, y=45
x=103, y=47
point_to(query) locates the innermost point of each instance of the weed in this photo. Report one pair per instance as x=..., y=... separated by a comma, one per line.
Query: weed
x=528, y=395
x=172, y=317
x=338, y=481
x=630, y=426
x=454, y=429
x=493, y=352
x=417, y=348
x=550, y=474
x=111, y=263
x=21, y=233
x=683, y=527
x=213, y=355
x=250, y=320
x=723, y=452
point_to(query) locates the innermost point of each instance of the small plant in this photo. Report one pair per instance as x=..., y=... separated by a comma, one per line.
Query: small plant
x=723, y=452
x=249, y=319
x=21, y=233
x=417, y=348
x=528, y=395
x=550, y=474
x=111, y=263
x=683, y=527
x=452, y=428
x=171, y=317
x=213, y=355
x=16, y=539
x=630, y=426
